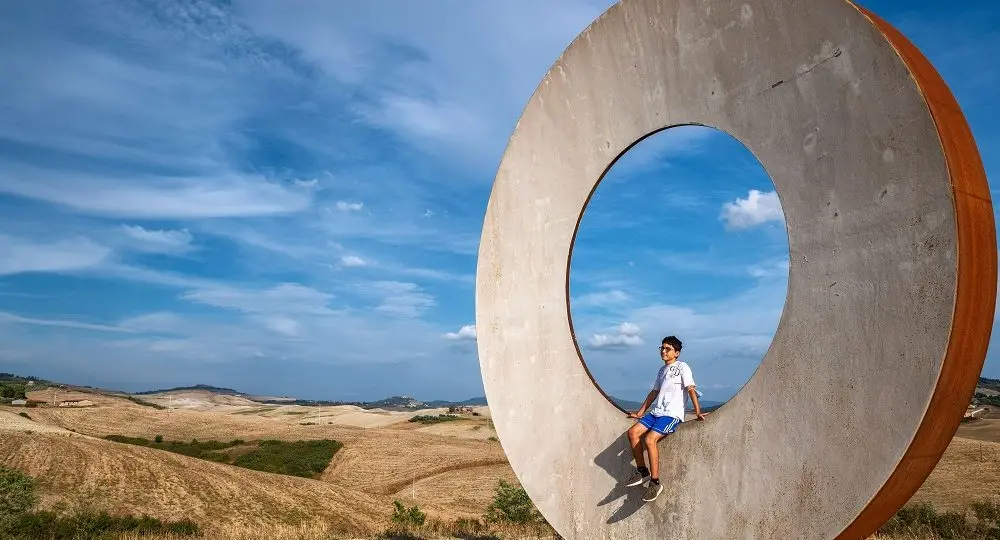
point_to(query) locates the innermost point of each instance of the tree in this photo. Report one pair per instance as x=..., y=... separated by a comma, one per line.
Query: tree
x=17, y=492
x=12, y=390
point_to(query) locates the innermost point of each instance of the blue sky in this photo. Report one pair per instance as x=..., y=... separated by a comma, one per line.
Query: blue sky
x=286, y=197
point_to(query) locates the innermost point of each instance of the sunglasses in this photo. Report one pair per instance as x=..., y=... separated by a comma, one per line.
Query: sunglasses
x=664, y=349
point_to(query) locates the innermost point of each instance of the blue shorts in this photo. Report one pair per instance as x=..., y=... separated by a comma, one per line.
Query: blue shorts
x=660, y=424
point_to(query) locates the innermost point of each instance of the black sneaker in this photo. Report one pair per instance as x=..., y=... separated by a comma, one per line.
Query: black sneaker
x=636, y=479
x=652, y=492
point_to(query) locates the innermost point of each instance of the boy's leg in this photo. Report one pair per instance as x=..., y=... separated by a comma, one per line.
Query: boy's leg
x=654, y=453
x=654, y=488
x=635, y=434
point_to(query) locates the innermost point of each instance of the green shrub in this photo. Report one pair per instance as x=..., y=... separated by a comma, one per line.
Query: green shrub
x=407, y=517
x=299, y=458
x=17, y=492
x=95, y=525
x=430, y=419
x=144, y=403
x=923, y=519
x=512, y=504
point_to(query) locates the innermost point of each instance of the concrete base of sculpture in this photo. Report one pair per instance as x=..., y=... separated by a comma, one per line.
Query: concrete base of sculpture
x=892, y=278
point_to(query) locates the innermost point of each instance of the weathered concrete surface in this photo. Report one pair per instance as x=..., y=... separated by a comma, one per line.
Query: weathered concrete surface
x=892, y=278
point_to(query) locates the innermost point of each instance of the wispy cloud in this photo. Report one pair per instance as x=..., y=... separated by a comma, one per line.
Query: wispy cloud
x=21, y=255
x=60, y=323
x=398, y=298
x=345, y=206
x=157, y=198
x=282, y=298
x=159, y=241
x=602, y=298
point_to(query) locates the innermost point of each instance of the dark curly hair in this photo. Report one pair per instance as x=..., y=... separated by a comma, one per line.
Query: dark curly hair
x=673, y=342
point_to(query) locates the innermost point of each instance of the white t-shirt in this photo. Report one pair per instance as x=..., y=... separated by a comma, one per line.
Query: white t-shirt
x=672, y=381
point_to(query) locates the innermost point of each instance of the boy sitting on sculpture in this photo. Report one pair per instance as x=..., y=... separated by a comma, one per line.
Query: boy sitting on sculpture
x=660, y=414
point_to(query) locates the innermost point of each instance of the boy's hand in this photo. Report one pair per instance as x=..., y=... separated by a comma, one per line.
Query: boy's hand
x=701, y=417
x=634, y=414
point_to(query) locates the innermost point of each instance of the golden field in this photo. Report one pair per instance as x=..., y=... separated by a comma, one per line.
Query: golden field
x=449, y=470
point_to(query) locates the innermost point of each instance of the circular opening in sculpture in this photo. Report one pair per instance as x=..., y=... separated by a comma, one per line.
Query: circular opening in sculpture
x=684, y=236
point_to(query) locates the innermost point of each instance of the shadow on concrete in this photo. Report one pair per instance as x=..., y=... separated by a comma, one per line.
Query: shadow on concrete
x=616, y=460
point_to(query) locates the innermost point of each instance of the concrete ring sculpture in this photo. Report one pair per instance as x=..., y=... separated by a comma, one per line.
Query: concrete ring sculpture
x=892, y=278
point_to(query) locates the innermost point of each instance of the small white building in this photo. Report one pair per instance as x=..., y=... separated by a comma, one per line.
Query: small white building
x=77, y=403
x=19, y=402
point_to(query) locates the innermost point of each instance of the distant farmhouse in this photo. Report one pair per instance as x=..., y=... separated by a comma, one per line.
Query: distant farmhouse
x=972, y=411
x=77, y=403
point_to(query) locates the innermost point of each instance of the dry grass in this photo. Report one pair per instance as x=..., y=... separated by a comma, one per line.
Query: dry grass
x=968, y=471
x=981, y=429
x=449, y=470
x=449, y=475
x=127, y=479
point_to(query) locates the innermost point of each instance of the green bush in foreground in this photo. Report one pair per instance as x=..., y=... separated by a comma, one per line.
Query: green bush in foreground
x=90, y=525
x=17, y=493
x=923, y=519
x=407, y=517
x=510, y=515
x=18, y=522
x=511, y=504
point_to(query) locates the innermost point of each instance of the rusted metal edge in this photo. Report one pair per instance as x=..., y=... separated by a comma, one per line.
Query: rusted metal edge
x=975, y=292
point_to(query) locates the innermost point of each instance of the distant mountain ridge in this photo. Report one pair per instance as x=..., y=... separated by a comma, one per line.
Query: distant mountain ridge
x=394, y=403
x=205, y=387
x=390, y=403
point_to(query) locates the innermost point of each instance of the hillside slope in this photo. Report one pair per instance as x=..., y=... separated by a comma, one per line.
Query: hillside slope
x=968, y=471
x=123, y=478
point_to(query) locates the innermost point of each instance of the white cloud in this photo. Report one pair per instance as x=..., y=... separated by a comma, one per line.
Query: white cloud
x=159, y=241
x=285, y=326
x=19, y=255
x=756, y=209
x=347, y=206
x=352, y=260
x=625, y=335
x=465, y=333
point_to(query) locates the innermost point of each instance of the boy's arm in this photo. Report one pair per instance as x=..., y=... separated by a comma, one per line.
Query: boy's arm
x=687, y=378
x=694, y=399
x=645, y=404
